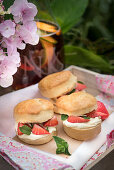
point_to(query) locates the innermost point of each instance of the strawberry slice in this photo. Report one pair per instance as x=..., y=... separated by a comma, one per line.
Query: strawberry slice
x=75, y=119
x=101, y=108
x=94, y=114
x=38, y=130
x=51, y=122
x=101, y=111
x=80, y=87
x=18, y=130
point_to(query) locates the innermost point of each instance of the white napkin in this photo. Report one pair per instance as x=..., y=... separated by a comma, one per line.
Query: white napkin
x=84, y=152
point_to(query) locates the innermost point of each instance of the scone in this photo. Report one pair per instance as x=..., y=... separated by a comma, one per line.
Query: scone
x=57, y=84
x=75, y=108
x=35, y=121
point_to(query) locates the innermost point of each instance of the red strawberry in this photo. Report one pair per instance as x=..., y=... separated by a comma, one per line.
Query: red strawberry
x=18, y=130
x=51, y=122
x=75, y=119
x=100, y=111
x=80, y=87
x=94, y=114
x=101, y=108
x=38, y=130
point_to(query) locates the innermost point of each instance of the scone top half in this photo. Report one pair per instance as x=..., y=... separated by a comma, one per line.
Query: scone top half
x=33, y=111
x=57, y=84
x=76, y=104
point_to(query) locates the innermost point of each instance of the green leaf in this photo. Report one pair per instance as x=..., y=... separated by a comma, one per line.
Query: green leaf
x=60, y=150
x=85, y=117
x=47, y=129
x=32, y=125
x=71, y=91
x=62, y=145
x=79, y=56
x=80, y=82
x=43, y=16
x=8, y=3
x=25, y=129
x=64, y=117
x=68, y=13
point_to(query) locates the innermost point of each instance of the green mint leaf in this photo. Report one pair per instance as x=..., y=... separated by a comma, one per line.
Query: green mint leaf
x=60, y=150
x=25, y=129
x=62, y=145
x=80, y=82
x=85, y=117
x=47, y=129
x=71, y=91
x=64, y=117
x=67, y=152
x=31, y=125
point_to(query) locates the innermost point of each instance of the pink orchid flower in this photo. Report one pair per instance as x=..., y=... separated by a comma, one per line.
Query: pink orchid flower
x=14, y=42
x=8, y=67
x=23, y=11
x=14, y=37
x=2, y=55
x=7, y=28
x=6, y=82
x=28, y=32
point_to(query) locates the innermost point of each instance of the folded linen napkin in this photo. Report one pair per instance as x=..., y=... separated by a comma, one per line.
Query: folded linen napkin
x=23, y=157
x=105, y=83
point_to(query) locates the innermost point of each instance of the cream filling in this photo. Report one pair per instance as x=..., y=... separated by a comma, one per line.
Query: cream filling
x=33, y=136
x=93, y=122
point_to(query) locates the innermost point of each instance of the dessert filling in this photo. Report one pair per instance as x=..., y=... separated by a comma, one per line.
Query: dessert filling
x=34, y=136
x=91, y=123
x=35, y=131
x=89, y=119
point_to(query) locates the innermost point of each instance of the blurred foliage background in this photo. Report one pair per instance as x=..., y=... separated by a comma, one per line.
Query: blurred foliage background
x=88, y=30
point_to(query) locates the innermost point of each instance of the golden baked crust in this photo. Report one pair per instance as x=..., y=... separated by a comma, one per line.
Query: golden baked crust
x=33, y=110
x=78, y=103
x=82, y=134
x=57, y=84
x=54, y=79
x=40, y=141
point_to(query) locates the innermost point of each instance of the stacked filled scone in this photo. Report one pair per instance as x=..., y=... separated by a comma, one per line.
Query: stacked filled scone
x=83, y=112
x=76, y=106
x=35, y=121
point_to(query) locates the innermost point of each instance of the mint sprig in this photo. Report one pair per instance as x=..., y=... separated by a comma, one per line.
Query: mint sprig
x=80, y=82
x=85, y=117
x=71, y=91
x=31, y=125
x=25, y=129
x=64, y=117
x=47, y=128
x=62, y=145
